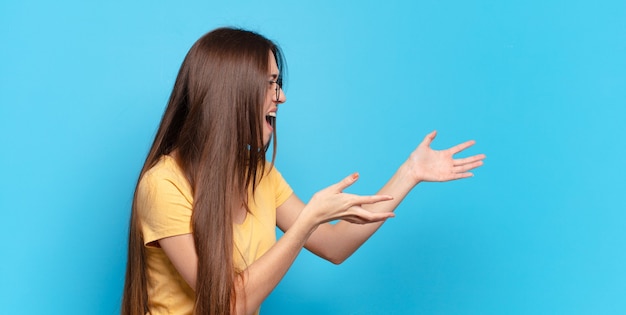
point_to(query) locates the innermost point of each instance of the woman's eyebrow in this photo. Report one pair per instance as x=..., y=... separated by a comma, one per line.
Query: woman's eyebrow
x=274, y=76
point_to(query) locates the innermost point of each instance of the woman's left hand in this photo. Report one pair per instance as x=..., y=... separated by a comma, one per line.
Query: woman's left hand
x=426, y=164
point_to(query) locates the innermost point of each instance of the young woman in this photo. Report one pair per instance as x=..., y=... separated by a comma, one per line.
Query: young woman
x=202, y=230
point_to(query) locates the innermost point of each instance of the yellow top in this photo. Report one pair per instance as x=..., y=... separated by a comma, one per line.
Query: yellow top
x=164, y=205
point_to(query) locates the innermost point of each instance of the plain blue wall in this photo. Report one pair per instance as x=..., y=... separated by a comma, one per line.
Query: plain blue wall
x=541, y=86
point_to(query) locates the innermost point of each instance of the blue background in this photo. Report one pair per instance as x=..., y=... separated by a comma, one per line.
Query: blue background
x=541, y=86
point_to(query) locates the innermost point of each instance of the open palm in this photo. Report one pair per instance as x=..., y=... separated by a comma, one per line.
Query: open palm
x=431, y=165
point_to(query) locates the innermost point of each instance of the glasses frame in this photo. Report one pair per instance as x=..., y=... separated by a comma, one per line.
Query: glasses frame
x=278, y=88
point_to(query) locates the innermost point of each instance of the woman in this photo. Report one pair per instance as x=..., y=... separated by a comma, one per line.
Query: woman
x=202, y=232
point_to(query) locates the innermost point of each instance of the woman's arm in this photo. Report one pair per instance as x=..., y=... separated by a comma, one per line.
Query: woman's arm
x=336, y=242
x=258, y=280
x=262, y=276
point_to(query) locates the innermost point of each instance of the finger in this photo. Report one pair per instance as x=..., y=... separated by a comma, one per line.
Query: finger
x=467, y=167
x=468, y=160
x=362, y=200
x=428, y=139
x=463, y=175
x=460, y=147
x=362, y=221
x=359, y=215
x=345, y=183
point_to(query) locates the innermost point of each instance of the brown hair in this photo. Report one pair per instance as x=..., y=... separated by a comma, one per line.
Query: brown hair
x=214, y=121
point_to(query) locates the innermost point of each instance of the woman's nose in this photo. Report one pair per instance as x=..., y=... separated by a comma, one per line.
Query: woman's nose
x=281, y=96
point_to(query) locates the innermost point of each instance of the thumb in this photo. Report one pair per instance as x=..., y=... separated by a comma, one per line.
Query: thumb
x=346, y=182
x=429, y=138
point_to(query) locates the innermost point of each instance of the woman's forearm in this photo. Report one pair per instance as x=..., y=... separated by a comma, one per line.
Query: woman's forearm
x=344, y=238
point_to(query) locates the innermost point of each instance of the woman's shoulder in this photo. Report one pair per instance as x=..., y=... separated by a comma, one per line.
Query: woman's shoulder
x=273, y=177
x=165, y=170
x=270, y=171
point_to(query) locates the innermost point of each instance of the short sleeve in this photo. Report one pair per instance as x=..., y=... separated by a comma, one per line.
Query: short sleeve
x=164, y=205
x=282, y=190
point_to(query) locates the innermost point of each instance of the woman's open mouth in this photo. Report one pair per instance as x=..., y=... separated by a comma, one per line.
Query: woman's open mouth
x=271, y=118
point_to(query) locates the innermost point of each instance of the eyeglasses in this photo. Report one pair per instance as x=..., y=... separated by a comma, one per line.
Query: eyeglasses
x=277, y=88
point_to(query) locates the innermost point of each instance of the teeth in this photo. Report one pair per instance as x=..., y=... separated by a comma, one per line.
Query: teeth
x=272, y=114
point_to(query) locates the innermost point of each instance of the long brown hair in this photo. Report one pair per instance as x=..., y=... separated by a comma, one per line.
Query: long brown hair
x=214, y=121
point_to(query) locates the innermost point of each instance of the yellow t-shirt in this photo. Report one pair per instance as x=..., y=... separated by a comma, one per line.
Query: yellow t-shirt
x=164, y=205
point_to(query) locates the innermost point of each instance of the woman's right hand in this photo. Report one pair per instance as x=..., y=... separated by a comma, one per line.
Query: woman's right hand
x=332, y=203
